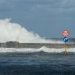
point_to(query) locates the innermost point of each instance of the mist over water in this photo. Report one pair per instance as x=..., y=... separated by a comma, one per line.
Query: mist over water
x=15, y=32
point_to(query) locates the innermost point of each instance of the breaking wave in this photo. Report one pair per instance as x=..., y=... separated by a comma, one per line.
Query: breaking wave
x=15, y=32
x=33, y=50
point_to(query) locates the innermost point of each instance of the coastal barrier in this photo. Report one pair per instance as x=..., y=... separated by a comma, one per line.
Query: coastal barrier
x=35, y=45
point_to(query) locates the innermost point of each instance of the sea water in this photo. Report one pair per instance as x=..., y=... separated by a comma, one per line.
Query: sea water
x=38, y=63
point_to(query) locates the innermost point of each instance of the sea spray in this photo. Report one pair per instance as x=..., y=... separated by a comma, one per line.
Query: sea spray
x=15, y=32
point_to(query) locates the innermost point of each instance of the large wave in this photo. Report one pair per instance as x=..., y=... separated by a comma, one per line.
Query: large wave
x=15, y=32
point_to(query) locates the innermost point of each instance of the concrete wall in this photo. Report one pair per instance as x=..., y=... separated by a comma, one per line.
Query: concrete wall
x=33, y=45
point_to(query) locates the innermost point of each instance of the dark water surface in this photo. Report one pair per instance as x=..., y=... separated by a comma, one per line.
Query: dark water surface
x=37, y=64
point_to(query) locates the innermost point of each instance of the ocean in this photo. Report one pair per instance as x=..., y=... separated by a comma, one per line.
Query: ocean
x=38, y=63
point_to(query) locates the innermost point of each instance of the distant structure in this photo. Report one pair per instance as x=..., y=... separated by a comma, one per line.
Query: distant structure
x=15, y=44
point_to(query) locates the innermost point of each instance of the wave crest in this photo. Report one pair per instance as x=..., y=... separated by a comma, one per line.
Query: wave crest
x=33, y=50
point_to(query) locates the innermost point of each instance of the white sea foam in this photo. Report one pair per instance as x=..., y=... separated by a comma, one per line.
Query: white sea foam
x=33, y=50
x=15, y=32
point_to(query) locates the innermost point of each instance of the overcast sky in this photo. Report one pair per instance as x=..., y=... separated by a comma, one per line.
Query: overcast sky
x=45, y=17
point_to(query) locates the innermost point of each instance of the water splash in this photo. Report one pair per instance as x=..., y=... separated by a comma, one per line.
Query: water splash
x=15, y=32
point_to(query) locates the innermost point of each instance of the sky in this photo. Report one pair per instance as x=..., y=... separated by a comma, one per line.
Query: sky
x=48, y=18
